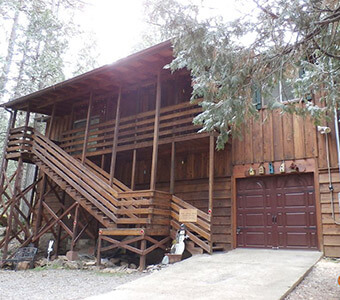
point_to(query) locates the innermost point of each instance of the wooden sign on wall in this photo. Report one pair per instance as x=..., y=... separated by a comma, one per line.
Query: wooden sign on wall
x=188, y=215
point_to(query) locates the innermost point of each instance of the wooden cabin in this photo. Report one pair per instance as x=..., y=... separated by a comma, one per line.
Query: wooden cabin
x=121, y=157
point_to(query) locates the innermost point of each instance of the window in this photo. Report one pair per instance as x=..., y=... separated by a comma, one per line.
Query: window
x=282, y=91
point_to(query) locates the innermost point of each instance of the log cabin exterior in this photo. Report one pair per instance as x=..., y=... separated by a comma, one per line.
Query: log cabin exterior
x=121, y=157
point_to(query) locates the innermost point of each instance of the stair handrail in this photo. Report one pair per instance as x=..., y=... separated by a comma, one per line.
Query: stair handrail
x=198, y=232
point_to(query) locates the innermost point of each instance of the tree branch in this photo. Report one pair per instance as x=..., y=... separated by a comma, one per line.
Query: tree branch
x=266, y=11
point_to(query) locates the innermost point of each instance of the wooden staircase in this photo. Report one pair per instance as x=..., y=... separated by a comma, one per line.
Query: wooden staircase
x=119, y=209
x=94, y=195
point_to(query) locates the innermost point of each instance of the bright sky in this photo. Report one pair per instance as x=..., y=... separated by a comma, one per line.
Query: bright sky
x=118, y=24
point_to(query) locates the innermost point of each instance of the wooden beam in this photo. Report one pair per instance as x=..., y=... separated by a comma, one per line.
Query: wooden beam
x=156, y=134
x=102, y=163
x=48, y=134
x=4, y=161
x=142, y=258
x=88, y=123
x=11, y=222
x=115, y=139
x=133, y=171
x=75, y=226
x=27, y=120
x=57, y=247
x=40, y=208
x=172, y=168
x=211, y=170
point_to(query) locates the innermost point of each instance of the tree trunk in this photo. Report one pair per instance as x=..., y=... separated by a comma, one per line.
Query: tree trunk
x=10, y=53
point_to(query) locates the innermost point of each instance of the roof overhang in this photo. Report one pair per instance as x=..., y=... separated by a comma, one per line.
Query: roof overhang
x=132, y=71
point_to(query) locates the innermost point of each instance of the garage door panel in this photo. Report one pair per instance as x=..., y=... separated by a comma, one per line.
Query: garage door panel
x=281, y=215
x=294, y=219
x=254, y=201
x=298, y=240
x=294, y=199
x=255, y=219
x=255, y=239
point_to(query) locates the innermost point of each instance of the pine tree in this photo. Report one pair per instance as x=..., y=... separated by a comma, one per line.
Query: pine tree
x=282, y=38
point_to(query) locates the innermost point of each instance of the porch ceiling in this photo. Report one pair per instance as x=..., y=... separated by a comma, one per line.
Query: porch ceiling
x=135, y=70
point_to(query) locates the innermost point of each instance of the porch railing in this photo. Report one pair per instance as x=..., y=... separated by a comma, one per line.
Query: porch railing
x=135, y=131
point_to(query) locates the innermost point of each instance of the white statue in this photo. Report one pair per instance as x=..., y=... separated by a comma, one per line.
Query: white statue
x=49, y=249
x=179, y=246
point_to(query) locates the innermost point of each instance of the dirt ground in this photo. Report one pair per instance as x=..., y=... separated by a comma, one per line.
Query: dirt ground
x=59, y=284
x=320, y=283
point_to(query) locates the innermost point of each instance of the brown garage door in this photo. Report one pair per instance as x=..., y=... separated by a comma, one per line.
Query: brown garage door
x=276, y=212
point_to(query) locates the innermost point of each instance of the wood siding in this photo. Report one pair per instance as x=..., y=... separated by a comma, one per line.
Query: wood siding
x=331, y=231
x=275, y=137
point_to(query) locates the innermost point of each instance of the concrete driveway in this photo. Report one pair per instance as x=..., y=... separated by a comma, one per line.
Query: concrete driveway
x=238, y=274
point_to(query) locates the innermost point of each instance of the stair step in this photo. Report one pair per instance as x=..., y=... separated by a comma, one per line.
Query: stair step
x=218, y=248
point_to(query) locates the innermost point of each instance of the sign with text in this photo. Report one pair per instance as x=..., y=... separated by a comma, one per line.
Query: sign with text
x=188, y=215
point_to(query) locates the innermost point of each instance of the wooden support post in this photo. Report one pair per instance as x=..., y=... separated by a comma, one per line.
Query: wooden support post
x=57, y=247
x=49, y=130
x=115, y=138
x=4, y=161
x=71, y=120
x=142, y=258
x=27, y=119
x=172, y=168
x=99, y=247
x=211, y=170
x=87, y=129
x=40, y=208
x=156, y=134
x=75, y=226
x=102, y=163
x=12, y=222
x=133, y=171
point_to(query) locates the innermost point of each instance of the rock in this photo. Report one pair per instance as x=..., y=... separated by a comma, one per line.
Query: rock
x=63, y=257
x=73, y=265
x=41, y=262
x=72, y=255
x=94, y=268
x=57, y=263
x=124, y=263
x=115, y=260
x=132, y=266
x=130, y=271
x=89, y=263
x=23, y=265
x=110, y=270
x=150, y=267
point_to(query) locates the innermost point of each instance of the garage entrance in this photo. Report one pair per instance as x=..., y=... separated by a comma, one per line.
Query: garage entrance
x=276, y=212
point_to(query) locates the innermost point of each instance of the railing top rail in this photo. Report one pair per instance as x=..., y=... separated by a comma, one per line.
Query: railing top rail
x=164, y=111
x=185, y=204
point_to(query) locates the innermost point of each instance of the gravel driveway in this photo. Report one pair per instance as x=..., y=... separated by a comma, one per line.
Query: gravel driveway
x=321, y=282
x=59, y=284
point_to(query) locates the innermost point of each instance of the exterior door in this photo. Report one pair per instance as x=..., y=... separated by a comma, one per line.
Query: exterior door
x=276, y=212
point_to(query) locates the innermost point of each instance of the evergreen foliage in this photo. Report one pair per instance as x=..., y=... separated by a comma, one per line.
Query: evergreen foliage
x=259, y=50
